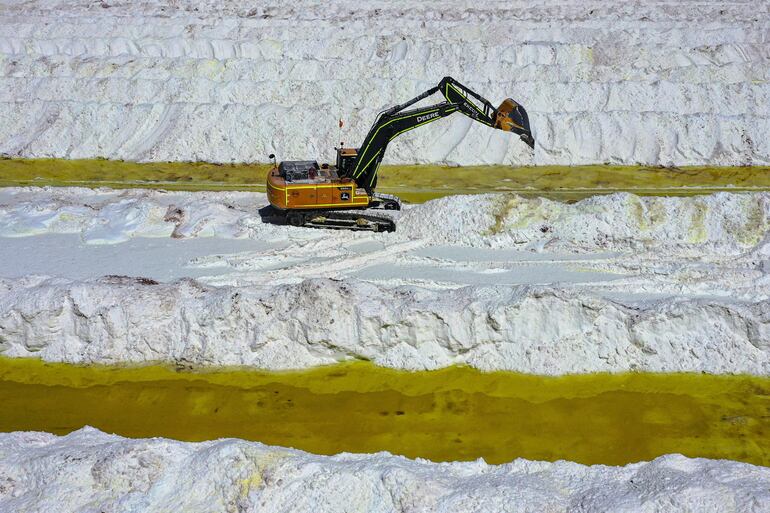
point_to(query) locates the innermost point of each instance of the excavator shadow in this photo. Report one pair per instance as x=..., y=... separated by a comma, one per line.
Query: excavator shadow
x=269, y=215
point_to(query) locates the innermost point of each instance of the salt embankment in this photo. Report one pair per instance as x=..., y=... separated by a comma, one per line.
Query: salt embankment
x=93, y=471
x=721, y=223
x=669, y=82
x=539, y=330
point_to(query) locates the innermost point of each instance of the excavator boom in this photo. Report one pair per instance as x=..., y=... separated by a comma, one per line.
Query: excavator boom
x=388, y=127
x=508, y=117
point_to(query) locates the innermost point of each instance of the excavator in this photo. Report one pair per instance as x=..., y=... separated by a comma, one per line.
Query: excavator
x=333, y=196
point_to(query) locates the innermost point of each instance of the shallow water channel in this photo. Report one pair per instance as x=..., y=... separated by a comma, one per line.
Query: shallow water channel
x=413, y=183
x=451, y=414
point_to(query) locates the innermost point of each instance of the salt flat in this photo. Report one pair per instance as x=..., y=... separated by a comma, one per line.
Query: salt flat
x=498, y=282
x=66, y=256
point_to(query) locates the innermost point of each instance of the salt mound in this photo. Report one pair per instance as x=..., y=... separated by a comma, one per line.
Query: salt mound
x=91, y=470
x=540, y=330
x=105, y=216
x=723, y=223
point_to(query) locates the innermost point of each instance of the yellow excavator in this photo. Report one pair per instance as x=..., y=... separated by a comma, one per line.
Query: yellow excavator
x=332, y=196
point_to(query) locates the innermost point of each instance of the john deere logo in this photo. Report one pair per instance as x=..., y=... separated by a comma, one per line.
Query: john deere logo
x=426, y=117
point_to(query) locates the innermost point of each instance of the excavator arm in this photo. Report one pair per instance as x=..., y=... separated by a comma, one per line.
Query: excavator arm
x=509, y=117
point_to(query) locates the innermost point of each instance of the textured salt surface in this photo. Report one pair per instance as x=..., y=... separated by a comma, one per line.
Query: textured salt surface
x=720, y=224
x=611, y=283
x=669, y=82
x=91, y=471
x=223, y=81
x=541, y=330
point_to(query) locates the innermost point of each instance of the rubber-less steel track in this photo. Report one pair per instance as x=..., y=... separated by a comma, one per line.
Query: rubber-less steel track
x=347, y=220
x=357, y=220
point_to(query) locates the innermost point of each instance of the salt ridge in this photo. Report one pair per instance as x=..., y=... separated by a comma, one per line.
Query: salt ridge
x=226, y=82
x=540, y=330
x=91, y=470
x=720, y=224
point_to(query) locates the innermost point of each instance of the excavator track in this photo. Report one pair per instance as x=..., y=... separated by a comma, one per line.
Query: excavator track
x=347, y=220
x=356, y=220
x=331, y=219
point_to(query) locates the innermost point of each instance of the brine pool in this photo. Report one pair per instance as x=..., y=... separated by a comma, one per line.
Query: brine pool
x=446, y=415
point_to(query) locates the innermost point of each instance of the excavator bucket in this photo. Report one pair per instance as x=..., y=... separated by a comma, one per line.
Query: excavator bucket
x=511, y=117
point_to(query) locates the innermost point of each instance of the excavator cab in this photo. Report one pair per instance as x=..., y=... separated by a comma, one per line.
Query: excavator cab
x=346, y=161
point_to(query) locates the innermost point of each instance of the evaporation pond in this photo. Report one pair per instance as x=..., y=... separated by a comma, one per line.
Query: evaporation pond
x=450, y=414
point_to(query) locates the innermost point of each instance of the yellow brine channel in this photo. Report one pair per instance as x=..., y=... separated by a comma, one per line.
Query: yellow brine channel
x=451, y=414
x=414, y=183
